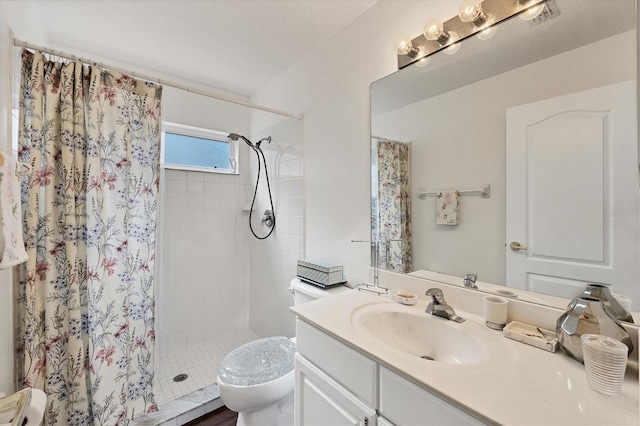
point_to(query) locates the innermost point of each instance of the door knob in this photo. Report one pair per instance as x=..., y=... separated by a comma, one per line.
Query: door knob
x=516, y=246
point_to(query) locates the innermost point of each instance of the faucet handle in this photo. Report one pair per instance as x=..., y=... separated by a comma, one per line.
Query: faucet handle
x=469, y=281
x=437, y=296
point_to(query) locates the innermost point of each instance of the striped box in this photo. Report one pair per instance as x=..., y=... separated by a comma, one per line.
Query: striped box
x=321, y=273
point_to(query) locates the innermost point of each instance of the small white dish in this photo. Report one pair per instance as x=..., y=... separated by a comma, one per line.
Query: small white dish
x=404, y=297
x=507, y=293
x=531, y=335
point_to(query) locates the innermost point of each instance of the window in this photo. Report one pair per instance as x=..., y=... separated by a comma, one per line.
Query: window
x=197, y=149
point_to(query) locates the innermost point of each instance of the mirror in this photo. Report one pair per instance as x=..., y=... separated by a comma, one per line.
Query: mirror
x=543, y=118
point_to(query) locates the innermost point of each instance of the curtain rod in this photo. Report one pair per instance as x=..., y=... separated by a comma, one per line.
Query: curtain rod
x=21, y=43
x=388, y=140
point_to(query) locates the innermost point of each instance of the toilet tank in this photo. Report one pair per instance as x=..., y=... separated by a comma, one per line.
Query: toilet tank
x=304, y=292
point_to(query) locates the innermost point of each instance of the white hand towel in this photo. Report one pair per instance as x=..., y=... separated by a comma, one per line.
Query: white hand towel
x=12, y=250
x=447, y=207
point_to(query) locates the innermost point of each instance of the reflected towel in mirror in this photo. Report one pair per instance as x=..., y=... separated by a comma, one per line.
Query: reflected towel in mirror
x=447, y=203
x=12, y=250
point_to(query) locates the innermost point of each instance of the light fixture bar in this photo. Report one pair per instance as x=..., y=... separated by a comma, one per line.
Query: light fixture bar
x=498, y=9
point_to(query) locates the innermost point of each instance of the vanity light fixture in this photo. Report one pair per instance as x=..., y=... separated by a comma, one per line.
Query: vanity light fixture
x=434, y=30
x=475, y=17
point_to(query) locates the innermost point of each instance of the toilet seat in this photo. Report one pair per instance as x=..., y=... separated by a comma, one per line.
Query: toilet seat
x=258, y=362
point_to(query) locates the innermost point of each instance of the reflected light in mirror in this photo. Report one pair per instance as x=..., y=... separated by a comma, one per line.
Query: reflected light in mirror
x=422, y=51
x=455, y=45
x=532, y=12
x=487, y=33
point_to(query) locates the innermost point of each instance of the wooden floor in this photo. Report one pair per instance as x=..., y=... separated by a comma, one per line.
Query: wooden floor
x=220, y=417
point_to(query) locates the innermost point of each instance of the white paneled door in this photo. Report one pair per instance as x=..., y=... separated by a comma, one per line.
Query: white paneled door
x=572, y=192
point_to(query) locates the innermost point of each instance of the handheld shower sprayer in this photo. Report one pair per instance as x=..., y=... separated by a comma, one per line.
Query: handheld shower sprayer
x=269, y=218
x=235, y=137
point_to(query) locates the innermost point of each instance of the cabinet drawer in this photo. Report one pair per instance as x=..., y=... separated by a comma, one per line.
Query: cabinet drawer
x=404, y=403
x=352, y=369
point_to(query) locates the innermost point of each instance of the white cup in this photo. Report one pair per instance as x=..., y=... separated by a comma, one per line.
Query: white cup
x=495, y=312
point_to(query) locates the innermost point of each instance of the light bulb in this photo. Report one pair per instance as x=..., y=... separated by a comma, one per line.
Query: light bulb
x=532, y=12
x=470, y=11
x=424, y=59
x=433, y=29
x=403, y=45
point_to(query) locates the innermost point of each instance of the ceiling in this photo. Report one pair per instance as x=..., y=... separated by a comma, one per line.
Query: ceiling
x=236, y=45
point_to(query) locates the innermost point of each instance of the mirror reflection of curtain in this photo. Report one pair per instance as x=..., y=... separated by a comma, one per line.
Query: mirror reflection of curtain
x=394, y=206
x=85, y=306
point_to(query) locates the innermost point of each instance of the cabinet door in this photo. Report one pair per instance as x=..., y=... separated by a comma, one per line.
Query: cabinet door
x=321, y=401
x=345, y=365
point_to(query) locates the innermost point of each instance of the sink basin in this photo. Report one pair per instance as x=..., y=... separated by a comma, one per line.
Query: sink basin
x=412, y=331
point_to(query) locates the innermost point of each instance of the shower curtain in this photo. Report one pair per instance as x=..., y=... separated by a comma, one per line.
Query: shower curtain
x=85, y=305
x=394, y=207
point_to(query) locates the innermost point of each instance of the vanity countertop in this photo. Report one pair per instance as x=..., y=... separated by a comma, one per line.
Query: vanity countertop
x=525, y=385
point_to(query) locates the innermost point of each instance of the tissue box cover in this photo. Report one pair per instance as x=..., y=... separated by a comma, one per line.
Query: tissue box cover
x=319, y=272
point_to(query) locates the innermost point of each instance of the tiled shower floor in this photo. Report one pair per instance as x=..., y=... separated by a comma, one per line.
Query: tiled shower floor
x=200, y=362
x=178, y=402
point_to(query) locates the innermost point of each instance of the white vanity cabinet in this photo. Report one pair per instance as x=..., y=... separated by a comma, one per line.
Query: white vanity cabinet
x=337, y=385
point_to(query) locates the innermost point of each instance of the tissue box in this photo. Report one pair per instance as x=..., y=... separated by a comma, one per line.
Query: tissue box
x=320, y=273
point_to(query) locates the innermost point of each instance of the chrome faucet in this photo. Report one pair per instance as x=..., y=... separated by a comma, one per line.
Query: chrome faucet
x=438, y=306
x=469, y=281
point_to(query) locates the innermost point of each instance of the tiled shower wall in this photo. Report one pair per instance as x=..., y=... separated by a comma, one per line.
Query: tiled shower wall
x=203, y=278
x=273, y=261
x=205, y=258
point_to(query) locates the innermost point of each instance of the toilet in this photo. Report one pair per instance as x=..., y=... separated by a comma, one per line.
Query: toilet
x=256, y=379
x=25, y=407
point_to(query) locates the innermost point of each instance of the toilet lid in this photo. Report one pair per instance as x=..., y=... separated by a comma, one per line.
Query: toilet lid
x=258, y=362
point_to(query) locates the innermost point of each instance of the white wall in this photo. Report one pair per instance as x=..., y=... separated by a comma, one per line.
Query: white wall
x=331, y=86
x=467, y=149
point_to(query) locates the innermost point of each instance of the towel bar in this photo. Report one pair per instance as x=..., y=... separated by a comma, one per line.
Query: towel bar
x=484, y=191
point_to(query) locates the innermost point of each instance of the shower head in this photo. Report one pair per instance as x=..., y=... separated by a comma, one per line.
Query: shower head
x=235, y=137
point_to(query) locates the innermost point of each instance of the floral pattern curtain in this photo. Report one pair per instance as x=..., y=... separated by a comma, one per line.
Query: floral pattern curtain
x=86, y=306
x=394, y=207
